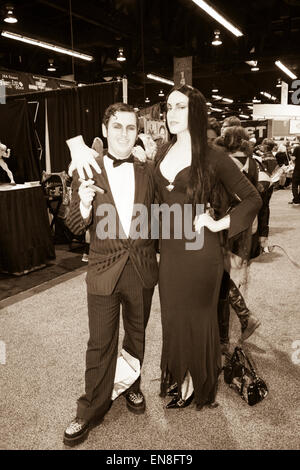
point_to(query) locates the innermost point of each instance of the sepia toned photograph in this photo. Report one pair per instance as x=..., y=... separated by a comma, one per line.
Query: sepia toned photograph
x=149, y=228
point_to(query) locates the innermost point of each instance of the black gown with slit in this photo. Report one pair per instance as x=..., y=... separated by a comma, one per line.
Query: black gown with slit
x=189, y=282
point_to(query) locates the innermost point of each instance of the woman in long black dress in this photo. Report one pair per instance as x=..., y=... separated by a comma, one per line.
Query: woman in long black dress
x=188, y=171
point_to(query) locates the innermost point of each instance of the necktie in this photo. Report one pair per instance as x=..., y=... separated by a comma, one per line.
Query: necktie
x=118, y=162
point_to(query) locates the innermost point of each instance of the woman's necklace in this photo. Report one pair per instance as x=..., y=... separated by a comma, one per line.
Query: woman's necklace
x=170, y=186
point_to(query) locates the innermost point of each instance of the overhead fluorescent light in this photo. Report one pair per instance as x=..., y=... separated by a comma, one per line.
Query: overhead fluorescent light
x=268, y=95
x=216, y=16
x=208, y=103
x=227, y=100
x=285, y=69
x=46, y=45
x=160, y=79
x=216, y=97
x=218, y=110
x=244, y=116
x=250, y=107
x=255, y=100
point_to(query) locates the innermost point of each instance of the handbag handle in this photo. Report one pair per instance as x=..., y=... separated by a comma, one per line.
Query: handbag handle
x=246, y=358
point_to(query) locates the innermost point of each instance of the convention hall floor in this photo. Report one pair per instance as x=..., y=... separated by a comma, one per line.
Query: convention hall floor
x=44, y=332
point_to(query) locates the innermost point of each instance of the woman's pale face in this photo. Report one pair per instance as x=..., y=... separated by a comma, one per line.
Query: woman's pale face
x=177, y=112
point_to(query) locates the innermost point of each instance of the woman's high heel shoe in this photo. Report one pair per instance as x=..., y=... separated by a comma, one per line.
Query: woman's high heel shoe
x=178, y=402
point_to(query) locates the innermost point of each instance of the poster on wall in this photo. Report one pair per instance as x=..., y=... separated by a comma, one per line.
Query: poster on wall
x=157, y=129
x=183, y=74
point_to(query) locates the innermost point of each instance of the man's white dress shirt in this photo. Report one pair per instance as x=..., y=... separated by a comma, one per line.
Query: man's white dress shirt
x=122, y=185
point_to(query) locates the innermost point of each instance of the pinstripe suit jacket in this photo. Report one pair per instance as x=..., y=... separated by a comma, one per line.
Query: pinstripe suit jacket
x=107, y=257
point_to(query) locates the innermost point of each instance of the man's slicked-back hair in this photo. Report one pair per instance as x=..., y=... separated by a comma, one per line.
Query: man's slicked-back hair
x=121, y=107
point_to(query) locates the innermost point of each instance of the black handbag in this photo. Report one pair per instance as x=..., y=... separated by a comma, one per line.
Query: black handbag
x=241, y=376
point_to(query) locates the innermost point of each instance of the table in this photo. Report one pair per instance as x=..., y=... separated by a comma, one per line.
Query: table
x=25, y=237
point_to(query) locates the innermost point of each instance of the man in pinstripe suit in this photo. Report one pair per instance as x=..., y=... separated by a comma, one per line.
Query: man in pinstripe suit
x=122, y=268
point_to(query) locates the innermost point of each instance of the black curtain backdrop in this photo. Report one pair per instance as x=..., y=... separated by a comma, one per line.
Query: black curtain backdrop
x=73, y=112
x=17, y=133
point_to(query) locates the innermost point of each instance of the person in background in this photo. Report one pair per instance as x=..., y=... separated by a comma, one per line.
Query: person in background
x=296, y=176
x=269, y=163
x=213, y=130
x=236, y=144
x=230, y=121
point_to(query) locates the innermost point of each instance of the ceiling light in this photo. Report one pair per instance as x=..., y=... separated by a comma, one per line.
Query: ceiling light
x=147, y=100
x=215, y=90
x=216, y=41
x=218, y=110
x=121, y=57
x=254, y=67
x=227, y=100
x=244, y=116
x=10, y=17
x=278, y=84
x=214, y=14
x=216, y=97
x=250, y=107
x=255, y=100
x=46, y=45
x=161, y=93
x=285, y=69
x=51, y=67
x=160, y=79
x=208, y=103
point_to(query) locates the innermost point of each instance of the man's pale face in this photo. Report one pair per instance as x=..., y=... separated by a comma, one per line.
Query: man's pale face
x=121, y=133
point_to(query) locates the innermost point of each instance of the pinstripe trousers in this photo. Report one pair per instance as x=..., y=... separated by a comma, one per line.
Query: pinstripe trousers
x=102, y=348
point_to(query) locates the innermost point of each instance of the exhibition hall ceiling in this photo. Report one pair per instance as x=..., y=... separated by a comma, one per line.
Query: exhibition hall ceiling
x=153, y=32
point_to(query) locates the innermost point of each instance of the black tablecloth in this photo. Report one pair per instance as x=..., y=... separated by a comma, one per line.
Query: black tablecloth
x=25, y=236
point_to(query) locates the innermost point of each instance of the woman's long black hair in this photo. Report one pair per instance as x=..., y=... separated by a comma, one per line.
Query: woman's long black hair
x=200, y=181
